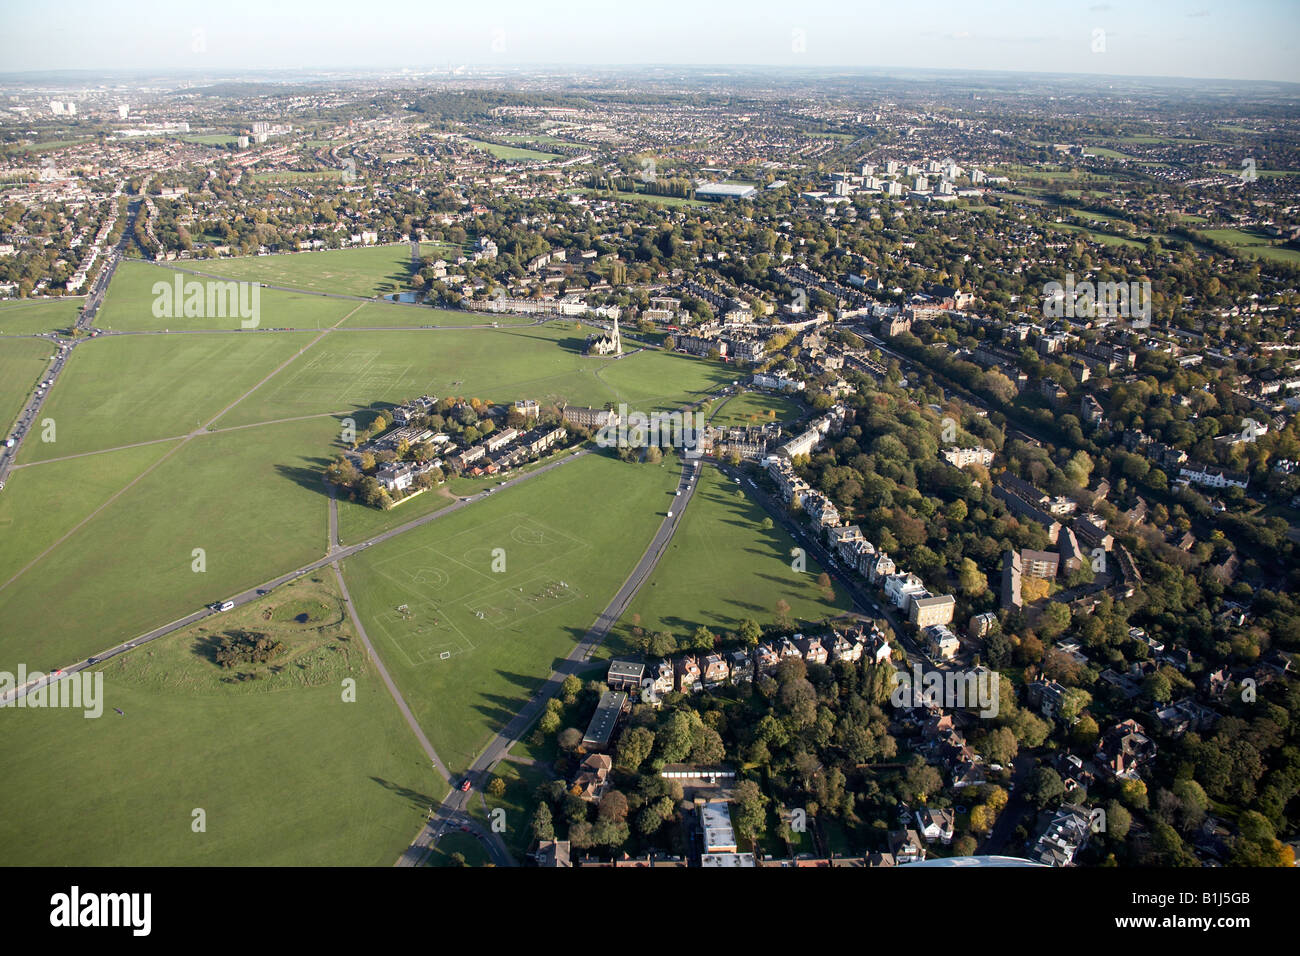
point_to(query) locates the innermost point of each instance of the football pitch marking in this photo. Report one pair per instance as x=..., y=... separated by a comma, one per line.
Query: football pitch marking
x=448, y=592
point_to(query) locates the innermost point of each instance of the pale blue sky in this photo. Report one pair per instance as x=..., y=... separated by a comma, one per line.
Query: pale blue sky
x=1245, y=39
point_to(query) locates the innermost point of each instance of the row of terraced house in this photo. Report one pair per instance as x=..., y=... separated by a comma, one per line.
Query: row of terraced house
x=930, y=612
x=693, y=673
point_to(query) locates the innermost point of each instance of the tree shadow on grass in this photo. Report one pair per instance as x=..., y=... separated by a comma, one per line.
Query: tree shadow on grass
x=528, y=682
x=312, y=479
x=785, y=582
x=417, y=800
x=500, y=710
x=206, y=647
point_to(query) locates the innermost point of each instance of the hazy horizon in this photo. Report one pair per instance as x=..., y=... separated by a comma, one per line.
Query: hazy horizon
x=1254, y=40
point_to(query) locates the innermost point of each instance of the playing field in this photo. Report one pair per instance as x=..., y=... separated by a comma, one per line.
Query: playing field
x=251, y=499
x=359, y=369
x=283, y=769
x=129, y=305
x=468, y=644
x=513, y=154
x=22, y=363
x=366, y=271
x=723, y=567
x=29, y=316
x=120, y=389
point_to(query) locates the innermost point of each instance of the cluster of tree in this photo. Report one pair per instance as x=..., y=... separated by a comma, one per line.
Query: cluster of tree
x=246, y=647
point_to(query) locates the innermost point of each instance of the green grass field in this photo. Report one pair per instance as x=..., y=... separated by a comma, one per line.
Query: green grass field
x=29, y=316
x=387, y=315
x=41, y=504
x=129, y=305
x=1263, y=173
x=1104, y=238
x=298, y=176
x=541, y=138
x=721, y=568
x=756, y=408
x=1107, y=153
x=366, y=271
x=357, y=522
x=252, y=499
x=440, y=250
x=513, y=154
x=116, y=390
x=468, y=645
x=465, y=844
x=284, y=769
x=1251, y=242
x=654, y=380
x=50, y=144
x=518, y=803
x=359, y=369
x=22, y=363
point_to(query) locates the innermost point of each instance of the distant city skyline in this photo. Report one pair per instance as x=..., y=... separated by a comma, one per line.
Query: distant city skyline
x=1249, y=40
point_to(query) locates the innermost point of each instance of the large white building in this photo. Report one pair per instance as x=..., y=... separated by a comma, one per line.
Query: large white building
x=961, y=457
x=725, y=191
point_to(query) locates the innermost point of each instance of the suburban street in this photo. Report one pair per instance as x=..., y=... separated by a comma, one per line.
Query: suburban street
x=64, y=346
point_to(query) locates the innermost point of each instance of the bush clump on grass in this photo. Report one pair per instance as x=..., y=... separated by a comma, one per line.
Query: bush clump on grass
x=247, y=647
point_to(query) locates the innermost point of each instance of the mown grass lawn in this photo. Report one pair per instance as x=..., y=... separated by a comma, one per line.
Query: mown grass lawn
x=757, y=408
x=359, y=369
x=357, y=521
x=1252, y=242
x=568, y=540
x=117, y=390
x=517, y=804
x=673, y=201
x=29, y=316
x=41, y=504
x=722, y=567
x=129, y=305
x=512, y=154
x=656, y=380
x=365, y=271
x=385, y=315
x=457, y=842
